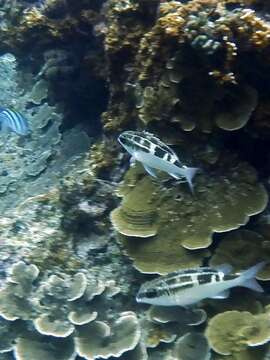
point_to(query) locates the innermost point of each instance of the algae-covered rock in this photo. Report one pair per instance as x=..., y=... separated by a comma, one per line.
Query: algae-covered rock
x=255, y=247
x=233, y=332
x=175, y=222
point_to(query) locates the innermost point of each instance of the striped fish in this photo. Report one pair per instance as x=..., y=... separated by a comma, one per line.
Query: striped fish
x=14, y=121
x=186, y=287
x=155, y=155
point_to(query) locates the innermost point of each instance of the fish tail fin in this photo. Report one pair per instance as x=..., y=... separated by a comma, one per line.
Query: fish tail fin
x=189, y=173
x=247, y=278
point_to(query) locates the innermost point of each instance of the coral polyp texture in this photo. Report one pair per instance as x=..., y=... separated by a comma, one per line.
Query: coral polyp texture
x=160, y=225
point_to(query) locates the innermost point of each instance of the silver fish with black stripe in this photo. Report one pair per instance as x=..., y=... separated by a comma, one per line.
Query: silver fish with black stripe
x=187, y=287
x=14, y=121
x=155, y=155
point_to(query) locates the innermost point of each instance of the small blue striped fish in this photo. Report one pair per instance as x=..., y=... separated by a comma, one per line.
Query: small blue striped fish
x=14, y=121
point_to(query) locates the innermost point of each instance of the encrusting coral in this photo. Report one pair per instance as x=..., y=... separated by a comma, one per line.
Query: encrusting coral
x=154, y=211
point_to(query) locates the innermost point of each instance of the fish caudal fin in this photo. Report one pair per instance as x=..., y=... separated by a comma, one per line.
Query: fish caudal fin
x=247, y=278
x=188, y=173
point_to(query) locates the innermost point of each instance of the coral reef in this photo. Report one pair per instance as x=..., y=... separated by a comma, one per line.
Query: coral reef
x=195, y=73
x=55, y=307
x=234, y=332
x=30, y=166
x=173, y=221
x=41, y=313
x=188, y=66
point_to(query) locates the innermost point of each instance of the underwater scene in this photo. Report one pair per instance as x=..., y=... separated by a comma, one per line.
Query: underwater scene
x=134, y=179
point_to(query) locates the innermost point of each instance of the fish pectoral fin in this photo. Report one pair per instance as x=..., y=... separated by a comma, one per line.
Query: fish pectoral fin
x=222, y=295
x=151, y=171
x=177, y=177
x=132, y=161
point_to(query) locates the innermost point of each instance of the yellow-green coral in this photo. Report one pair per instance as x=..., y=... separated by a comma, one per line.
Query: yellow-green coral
x=224, y=199
x=234, y=332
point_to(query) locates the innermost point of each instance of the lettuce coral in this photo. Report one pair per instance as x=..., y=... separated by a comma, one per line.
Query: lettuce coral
x=173, y=222
x=234, y=332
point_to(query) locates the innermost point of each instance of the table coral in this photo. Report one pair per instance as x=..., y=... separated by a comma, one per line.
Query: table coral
x=234, y=195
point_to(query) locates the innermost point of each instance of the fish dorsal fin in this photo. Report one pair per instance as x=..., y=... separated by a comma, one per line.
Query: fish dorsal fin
x=225, y=268
x=222, y=295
